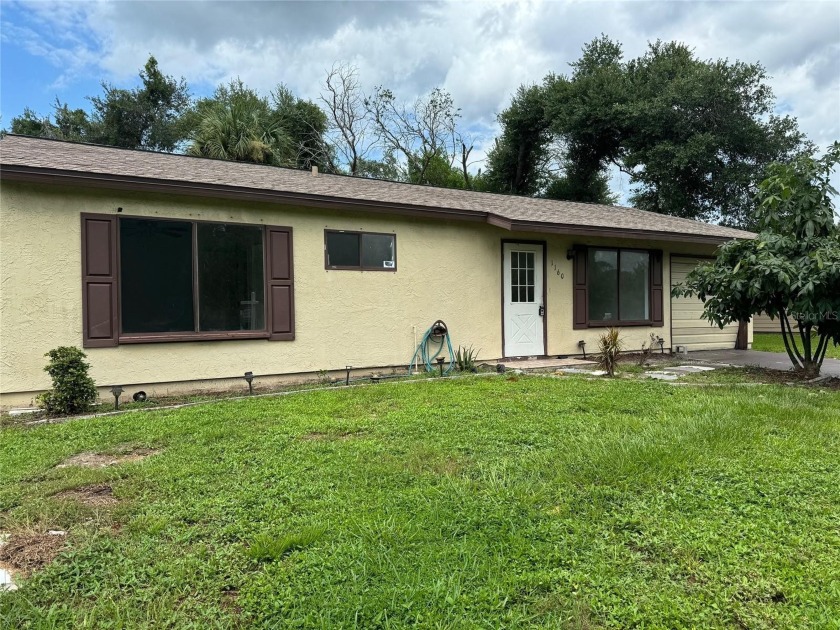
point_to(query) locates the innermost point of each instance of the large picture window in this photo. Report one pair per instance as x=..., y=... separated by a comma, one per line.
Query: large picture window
x=179, y=276
x=617, y=287
x=150, y=279
x=365, y=251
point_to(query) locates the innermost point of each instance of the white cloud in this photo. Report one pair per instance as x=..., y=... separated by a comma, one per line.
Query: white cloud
x=481, y=52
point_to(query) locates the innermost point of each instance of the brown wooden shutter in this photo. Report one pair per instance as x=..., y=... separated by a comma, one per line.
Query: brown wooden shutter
x=580, y=295
x=280, y=284
x=100, y=282
x=656, y=289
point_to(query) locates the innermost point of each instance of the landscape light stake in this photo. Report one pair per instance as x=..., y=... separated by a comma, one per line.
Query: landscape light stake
x=249, y=376
x=582, y=346
x=440, y=364
x=374, y=378
x=661, y=343
x=116, y=390
x=347, y=378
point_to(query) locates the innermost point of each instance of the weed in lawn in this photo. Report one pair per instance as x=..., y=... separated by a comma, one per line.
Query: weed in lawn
x=267, y=548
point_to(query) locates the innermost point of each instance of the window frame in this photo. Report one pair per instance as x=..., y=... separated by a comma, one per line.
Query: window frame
x=360, y=267
x=195, y=335
x=601, y=323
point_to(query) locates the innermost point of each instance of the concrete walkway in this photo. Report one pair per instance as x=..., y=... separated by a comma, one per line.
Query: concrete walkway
x=770, y=360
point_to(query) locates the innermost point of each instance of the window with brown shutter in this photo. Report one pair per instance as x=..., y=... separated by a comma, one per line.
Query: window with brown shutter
x=617, y=287
x=149, y=279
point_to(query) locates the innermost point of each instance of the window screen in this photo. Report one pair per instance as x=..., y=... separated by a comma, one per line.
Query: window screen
x=633, y=286
x=156, y=276
x=361, y=250
x=231, y=290
x=619, y=285
x=162, y=263
x=343, y=249
x=603, y=285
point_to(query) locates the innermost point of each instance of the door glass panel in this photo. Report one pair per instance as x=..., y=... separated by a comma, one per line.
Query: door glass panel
x=522, y=277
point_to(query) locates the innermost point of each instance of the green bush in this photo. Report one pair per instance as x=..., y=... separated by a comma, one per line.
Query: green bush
x=73, y=389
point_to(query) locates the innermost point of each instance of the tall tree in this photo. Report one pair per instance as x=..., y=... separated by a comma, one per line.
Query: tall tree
x=693, y=136
x=421, y=133
x=146, y=117
x=237, y=123
x=349, y=126
x=519, y=161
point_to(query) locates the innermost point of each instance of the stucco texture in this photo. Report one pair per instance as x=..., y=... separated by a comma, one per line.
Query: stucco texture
x=446, y=270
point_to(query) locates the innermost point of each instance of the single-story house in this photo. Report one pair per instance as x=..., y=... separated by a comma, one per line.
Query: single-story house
x=177, y=273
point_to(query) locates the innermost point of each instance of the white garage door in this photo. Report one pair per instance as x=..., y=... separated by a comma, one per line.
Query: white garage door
x=687, y=328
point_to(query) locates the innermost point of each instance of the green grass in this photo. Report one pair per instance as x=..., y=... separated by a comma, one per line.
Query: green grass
x=773, y=342
x=481, y=502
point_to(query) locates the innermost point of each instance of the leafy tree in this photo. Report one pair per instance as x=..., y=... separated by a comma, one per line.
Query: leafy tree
x=519, y=159
x=791, y=270
x=236, y=123
x=694, y=136
x=148, y=117
x=70, y=124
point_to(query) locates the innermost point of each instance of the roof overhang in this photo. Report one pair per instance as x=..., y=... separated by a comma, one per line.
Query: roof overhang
x=219, y=191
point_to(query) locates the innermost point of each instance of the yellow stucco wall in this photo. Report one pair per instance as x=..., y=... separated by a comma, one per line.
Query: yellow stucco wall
x=446, y=270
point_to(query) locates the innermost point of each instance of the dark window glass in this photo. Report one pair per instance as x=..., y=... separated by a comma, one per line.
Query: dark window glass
x=231, y=288
x=156, y=276
x=603, y=285
x=633, y=286
x=343, y=249
x=378, y=251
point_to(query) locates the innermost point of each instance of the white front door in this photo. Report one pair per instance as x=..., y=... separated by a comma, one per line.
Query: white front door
x=523, y=299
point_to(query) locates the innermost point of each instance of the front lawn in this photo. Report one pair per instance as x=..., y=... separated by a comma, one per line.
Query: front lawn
x=773, y=342
x=481, y=502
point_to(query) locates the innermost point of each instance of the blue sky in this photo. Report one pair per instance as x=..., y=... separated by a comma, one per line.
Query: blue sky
x=479, y=51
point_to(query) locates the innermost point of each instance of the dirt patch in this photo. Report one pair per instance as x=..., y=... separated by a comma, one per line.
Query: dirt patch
x=337, y=435
x=230, y=599
x=103, y=460
x=97, y=495
x=24, y=553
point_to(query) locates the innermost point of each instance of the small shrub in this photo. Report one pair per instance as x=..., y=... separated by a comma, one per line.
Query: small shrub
x=610, y=345
x=465, y=359
x=73, y=389
x=266, y=547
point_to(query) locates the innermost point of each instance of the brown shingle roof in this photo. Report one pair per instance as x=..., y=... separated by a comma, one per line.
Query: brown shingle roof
x=49, y=160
